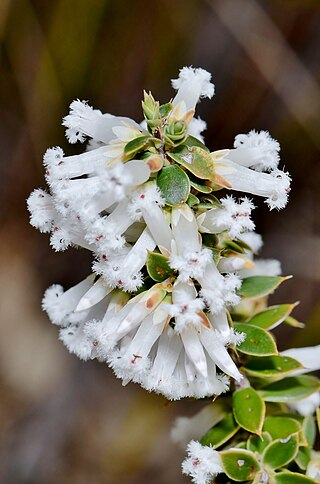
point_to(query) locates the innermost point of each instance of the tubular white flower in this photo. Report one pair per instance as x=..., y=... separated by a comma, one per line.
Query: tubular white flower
x=192, y=85
x=253, y=240
x=217, y=290
x=308, y=356
x=203, y=463
x=273, y=186
x=233, y=216
x=85, y=121
x=306, y=406
x=147, y=203
x=257, y=150
x=262, y=267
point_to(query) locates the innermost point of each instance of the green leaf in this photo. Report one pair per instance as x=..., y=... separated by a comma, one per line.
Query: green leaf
x=318, y=418
x=272, y=316
x=248, y=410
x=257, y=444
x=158, y=267
x=200, y=188
x=290, y=321
x=292, y=478
x=192, y=141
x=303, y=457
x=280, y=427
x=239, y=464
x=134, y=146
x=221, y=432
x=165, y=109
x=196, y=160
x=290, y=389
x=234, y=246
x=309, y=429
x=259, y=286
x=174, y=185
x=192, y=200
x=271, y=366
x=280, y=452
x=258, y=342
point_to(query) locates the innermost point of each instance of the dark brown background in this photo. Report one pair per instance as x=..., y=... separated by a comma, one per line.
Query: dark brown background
x=68, y=422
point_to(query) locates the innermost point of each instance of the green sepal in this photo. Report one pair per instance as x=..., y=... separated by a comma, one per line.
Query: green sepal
x=192, y=141
x=290, y=389
x=249, y=410
x=239, y=464
x=271, y=317
x=158, y=267
x=271, y=366
x=174, y=185
x=134, y=146
x=292, y=478
x=258, y=443
x=257, y=342
x=280, y=452
x=281, y=427
x=220, y=433
x=260, y=286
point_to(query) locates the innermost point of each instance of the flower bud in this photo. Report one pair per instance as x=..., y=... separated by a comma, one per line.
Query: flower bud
x=175, y=132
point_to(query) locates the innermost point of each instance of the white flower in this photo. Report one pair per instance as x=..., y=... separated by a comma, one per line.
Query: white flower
x=253, y=240
x=192, y=85
x=42, y=211
x=257, y=150
x=306, y=406
x=203, y=463
x=262, y=267
x=273, y=186
x=196, y=127
x=233, y=216
x=84, y=121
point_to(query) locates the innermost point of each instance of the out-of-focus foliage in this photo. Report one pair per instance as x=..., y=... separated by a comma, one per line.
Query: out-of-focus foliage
x=64, y=422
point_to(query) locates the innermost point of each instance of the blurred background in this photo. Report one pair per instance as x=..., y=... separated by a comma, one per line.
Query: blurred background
x=64, y=421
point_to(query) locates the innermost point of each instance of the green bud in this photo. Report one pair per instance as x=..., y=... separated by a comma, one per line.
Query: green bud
x=150, y=107
x=175, y=132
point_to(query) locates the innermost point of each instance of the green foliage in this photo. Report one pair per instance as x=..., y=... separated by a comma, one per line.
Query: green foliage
x=259, y=286
x=174, y=185
x=249, y=410
x=221, y=433
x=291, y=389
x=257, y=342
x=239, y=464
x=158, y=267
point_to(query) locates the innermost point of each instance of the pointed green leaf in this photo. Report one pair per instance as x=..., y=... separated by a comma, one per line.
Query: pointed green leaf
x=309, y=429
x=280, y=427
x=292, y=478
x=192, y=200
x=271, y=366
x=192, y=141
x=318, y=418
x=221, y=432
x=165, y=109
x=257, y=444
x=174, y=185
x=290, y=389
x=200, y=188
x=258, y=342
x=303, y=457
x=158, y=267
x=259, y=286
x=134, y=146
x=249, y=409
x=231, y=244
x=290, y=321
x=272, y=316
x=197, y=160
x=280, y=452
x=239, y=464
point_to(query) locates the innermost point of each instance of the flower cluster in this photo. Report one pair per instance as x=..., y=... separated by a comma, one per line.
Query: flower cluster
x=169, y=257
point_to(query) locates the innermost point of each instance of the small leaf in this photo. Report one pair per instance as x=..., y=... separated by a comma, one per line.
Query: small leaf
x=272, y=316
x=290, y=321
x=249, y=410
x=174, y=185
x=135, y=145
x=292, y=478
x=200, y=188
x=192, y=200
x=290, y=389
x=280, y=427
x=221, y=432
x=318, y=418
x=196, y=160
x=158, y=267
x=192, y=141
x=309, y=429
x=259, y=286
x=303, y=457
x=257, y=342
x=239, y=464
x=280, y=452
x=271, y=366
x=231, y=244
x=258, y=444
x=165, y=109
